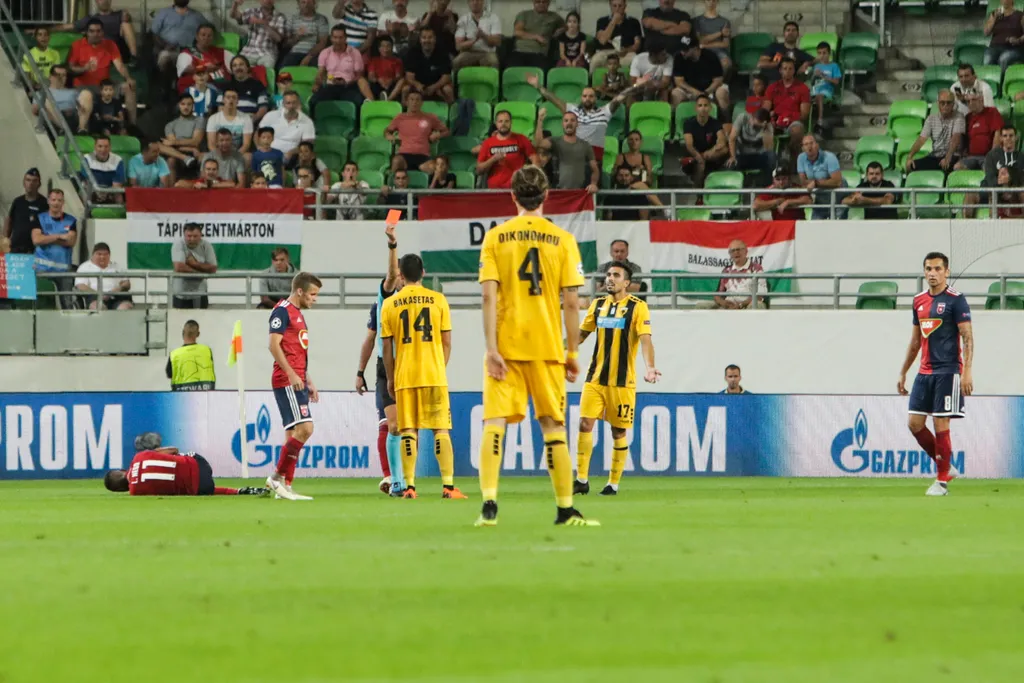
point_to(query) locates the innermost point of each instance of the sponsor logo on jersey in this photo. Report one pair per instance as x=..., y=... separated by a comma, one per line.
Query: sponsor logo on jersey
x=929, y=325
x=304, y=338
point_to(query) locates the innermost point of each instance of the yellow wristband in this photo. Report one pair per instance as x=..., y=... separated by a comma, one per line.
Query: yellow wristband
x=572, y=355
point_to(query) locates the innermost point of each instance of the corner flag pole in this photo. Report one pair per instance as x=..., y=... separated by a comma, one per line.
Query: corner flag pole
x=235, y=357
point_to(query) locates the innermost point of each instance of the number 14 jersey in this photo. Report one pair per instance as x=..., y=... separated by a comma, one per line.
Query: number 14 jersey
x=532, y=260
x=414, y=318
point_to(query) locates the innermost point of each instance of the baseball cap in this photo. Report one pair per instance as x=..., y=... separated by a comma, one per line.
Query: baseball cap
x=284, y=76
x=780, y=172
x=148, y=441
x=34, y=172
x=686, y=42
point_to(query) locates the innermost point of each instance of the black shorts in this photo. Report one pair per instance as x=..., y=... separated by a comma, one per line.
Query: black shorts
x=110, y=301
x=384, y=399
x=206, y=484
x=293, y=406
x=937, y=395
x=414, y=161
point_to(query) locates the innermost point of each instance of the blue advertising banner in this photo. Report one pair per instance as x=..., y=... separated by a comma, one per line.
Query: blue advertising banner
x=17, y=276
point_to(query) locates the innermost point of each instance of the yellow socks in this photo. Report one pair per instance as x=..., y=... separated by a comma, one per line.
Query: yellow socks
x=556, y=450
x=619, y=456
x=491, y=442
x=445, y=458
x=584, y=449
x=409, y=450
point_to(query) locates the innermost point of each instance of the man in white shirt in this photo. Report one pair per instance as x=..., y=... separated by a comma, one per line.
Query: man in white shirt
x=290, y=126
x=228, y=116
x=477, y=37
x=967, y=82
x=398, y=24
x=656, y=66
x=115, y=295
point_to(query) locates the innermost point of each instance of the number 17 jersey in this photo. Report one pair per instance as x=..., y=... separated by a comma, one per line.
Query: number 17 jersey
x=532, y=260
x=414, y=318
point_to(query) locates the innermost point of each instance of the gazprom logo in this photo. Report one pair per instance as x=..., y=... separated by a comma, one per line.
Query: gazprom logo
x=256, y=434
x=846, y=438
x=860, y=428
x=851, y=454
x=336, y=456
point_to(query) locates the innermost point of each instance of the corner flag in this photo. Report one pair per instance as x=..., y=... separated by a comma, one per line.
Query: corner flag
x=236, y=344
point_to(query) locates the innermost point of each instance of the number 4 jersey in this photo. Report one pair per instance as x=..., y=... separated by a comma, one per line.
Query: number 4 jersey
x=414, y=319
x=532, y=260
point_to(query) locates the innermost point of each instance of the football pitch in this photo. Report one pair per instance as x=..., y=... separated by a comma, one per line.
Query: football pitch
x=705, y=580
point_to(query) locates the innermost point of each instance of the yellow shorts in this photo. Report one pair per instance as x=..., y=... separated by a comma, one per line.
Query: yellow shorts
x=543, y=381
x=423, y=408
x=614, y=405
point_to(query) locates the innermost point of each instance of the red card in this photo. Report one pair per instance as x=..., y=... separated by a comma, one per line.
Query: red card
x=394, y=215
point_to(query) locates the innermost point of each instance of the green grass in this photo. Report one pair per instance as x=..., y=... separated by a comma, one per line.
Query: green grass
x=712, y=580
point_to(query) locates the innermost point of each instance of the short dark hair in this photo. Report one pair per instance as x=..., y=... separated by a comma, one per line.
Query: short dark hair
x=191, y=227
x=41, y=28
x=208, y=25
x=931, y=255
x=105, y=82
x=277, y=251
x=243, y=58
x=762, y=115
x=964, y=66
x=305, y=280
x=264, y=129
x=732, y=366
x=308, y=143
x=620, y=240
x=225, y=131
x=289, y=93
x=790, y=23
x=348, y=163
x=185, y=96
x=385, y=39
x=101, y=136
x=787, y=60
x=615, y=56
x=93, y=22
x=190, y=329
x=101, y=246
x=635, y=131
x=116, y=481
x=623, y=166
x=625, y=268
x=411, y=267
x=229, y=88
x=55, y=190
x=339, y=27
x=825, y=45
x=703, y=96
x=874, y=164
x=1008, y=127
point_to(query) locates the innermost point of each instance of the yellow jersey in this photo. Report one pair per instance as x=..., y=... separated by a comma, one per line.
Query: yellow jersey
x=414, y=318
x=619, y=326
x=532, y=260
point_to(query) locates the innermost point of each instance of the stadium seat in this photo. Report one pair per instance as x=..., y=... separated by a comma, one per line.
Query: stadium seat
x=597, y=79
x=514, y=87
x=720, y=180
x=479, y=83
x=906, y=118
x=653, y=119
x=375, y=179
x=1013, y=80
x=894, y=176
x=874, y=148
x=336, y=118
x=59, y=40
x=969, y=47
x=480, y=124
x=46, y=289
x=438, y=109
x=852, y=177
x=465, y=180
x=937, y=78
x=859, y=53
x=809, y=41
x=1005, y=108
x=611, y=150
x=656, y=149
x=903, y=151
x=125, y=146
x=617, y=126
x=694, y=214
x=332, y=150
x=371, y=153
x=270, y=75
x=747, y=49
x=304, y=92
x=963, y=178
x=687, y=110
x=553, y=122
x=111, y=212
x=924, y=200
x=375, y=117
x=524, y=116
x=567, y=83
x=877, y=295
x=991, y=74
x=232, y=42
x=1014, y=296
x=458, y=151
x=305, y=75
x=418, y=180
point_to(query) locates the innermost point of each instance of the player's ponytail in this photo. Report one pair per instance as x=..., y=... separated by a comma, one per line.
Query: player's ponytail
x=530, y=187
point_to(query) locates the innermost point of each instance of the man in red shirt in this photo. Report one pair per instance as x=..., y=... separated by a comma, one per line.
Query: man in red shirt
x=164, y=471
x=503, y=154
x=789, y=101
x=213, y=59
x=386, y=73
x=984, y=131
x=89, y=61
x=414, y=130
x=293, y=389
x=783, y=206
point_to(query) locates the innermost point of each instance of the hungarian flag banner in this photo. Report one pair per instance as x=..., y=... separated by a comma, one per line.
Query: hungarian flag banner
x=243, y=225
x=703, y=247
x=452, y=227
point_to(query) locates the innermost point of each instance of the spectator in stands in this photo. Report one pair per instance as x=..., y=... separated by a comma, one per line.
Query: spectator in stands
x=577, y=166
x=572, y=45
x=477, y=37
x=706, y=144
x=1004, y=155
x=229, y=118
x=732, y=380
x=231, y=163
x=54, y=234
x=306, y=158
x=619, y=252
x=204, y=96
x=304, y=182
x=758, y=88
x=752, y=145
x=736, y=293
x=148, y=168
x=23, y=214
x=617, y=34
x=770, y=63
x=400, y=199
x=252, y=94
x=664, y=25
x=534, y=31
x=183, y=136
x=115, y=291
x=967, y=82
x=824, y=79
x=627, y=211
x=414, y=130
x=398, y=25
x=697, y=72
x=340, y=74
x=1006, y=26
x=441, y=178
x=116, y=27
x=715, y=34
x=872, y=195
x=386, y=73
x=359, y=22
x=214, y=60
x=290, y=125
x=820, y=174
x=614, y=80
x=44, y=56
x=1009, y=202
x=90, y=60
x=349, y=193
x=781, y=206
x=267, y=31
x=193, y=253
x=651, y=74
x=174, y=28
x=789, y=101
x=69, y=101
x=308, y=34
x=209, y=177
x=444, y=23
x=428, y=70
x=258, y=181
x=107, y=169
x=640, y=167
x=984, y=127
x=108, y=113
x=273, y=289
x=503, y=153
x=945, y=128
x=266, y=160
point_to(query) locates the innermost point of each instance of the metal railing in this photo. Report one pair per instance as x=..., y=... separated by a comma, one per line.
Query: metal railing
x=39, y=12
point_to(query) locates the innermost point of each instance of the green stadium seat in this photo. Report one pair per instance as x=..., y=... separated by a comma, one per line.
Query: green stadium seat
x=597, y=78
x=747, y=49
x=903, y=151
x=656, y=149
x=232, y=42
x=301, y=74
x=611, y=150
x=809, y=41
x=332, y=150
x=418, y=180
x=465, y=180
x=304, y=92
x=1014, y=296
x=459, y=152
x=991, y=74
x=438, y=109
x=874, y=148
x=852, y=177
x=553, y=122
x=617, y=125
x=479, y=125
x=524, y=116
x=694, y=214
x=514, y=87
x=568, y=82
x=687, y=110
x=653, y=119
x=375, y=179
x=894, y=176
x=371, y=153
x=929, y=179
x=125, y=146
x=906, y=118
x=271, y=81
x=46, y=290
x=375, y=117
x=969, y=47
x=59, y=40
x=859, y=53
x=114, y=212
x=964, y=178
x=721, y=180
x=1013, y=80
x=479, y=83
x=1005, y=108
x=879, y=295
x=937, y=78
x=336, y=118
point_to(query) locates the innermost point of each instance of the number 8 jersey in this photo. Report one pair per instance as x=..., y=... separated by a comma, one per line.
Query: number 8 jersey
x=414, y=318
x=532, y=260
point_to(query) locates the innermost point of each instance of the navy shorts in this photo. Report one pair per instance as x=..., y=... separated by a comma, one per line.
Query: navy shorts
x=937, y=395
x=294, y=406
x=384, y=399
x=206, y=484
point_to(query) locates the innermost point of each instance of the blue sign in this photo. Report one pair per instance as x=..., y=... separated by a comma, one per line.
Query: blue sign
x=17, y=276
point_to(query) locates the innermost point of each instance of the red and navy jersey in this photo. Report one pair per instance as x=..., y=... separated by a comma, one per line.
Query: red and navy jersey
x=161, y=474
x=938, y=315
x=287, y=320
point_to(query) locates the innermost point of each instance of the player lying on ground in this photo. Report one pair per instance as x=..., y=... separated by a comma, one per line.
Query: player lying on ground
x=620, y=320
x=942, y=318
x=163, y=471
